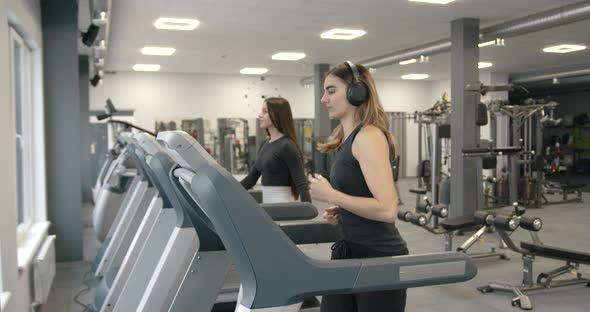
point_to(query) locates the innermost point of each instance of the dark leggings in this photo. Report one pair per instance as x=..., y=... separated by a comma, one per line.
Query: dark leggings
x=378, y=301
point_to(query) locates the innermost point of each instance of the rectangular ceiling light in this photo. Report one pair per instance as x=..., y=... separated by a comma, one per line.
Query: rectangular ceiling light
x=412, y=61
x=146, y=67
x=343, y=34
x=497, y=42
x=253, y=71
x=176, y=23
x=157, y=51
x=288, y=56
x=487, y=43
x=564, y=48
x=434, y=1
x=415, y=76
x=481, y=65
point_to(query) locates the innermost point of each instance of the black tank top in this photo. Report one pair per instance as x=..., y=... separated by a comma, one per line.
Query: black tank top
x=346, y=176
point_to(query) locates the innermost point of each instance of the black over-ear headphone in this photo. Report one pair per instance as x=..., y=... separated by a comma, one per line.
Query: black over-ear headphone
x=357, y=92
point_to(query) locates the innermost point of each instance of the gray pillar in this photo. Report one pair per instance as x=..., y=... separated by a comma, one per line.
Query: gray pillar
x=464, y=132
x=62, y=125
x=435, y=163
x=322, y=127
x=85, y=165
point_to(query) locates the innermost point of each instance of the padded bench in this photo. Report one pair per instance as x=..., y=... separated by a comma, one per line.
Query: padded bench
x=419, y=191
x=459, y=223
x=556, y=253
x=567, y=186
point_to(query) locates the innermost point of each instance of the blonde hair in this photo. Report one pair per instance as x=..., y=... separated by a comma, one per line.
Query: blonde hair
x=370, y=112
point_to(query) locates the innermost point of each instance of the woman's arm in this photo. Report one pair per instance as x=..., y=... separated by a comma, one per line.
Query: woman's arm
x=371, y=150
x=295, y=164
x=250, y=180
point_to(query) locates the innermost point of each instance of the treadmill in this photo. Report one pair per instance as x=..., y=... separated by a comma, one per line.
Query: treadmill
x=275, y=274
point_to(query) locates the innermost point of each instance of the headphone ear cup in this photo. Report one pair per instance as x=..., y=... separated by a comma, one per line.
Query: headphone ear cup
x=357, y=93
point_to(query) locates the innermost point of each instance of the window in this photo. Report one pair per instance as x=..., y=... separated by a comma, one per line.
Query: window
x=1, y=268
x=22, y=99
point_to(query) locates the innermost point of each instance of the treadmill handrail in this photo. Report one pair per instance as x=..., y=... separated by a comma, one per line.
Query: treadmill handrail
x=288, y=211
x=413, y=271
x=258, y=266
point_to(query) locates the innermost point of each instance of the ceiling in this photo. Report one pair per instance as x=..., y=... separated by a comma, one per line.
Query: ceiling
x=244, y=33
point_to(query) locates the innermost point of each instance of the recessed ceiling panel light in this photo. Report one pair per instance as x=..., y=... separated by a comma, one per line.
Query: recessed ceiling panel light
x=564, y=48
x=288, y=56
x=146, y=67
x=481, y=65
x=415, y=76
x=176, y=23
x=424, y=59
x=157, y=51
x=487, y=43
x=499, y=42
x=343, y=34
x=253, y=71
x=412, y=61
x=433, y=1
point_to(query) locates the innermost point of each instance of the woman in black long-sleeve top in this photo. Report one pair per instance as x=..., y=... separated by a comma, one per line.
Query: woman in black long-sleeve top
x=279, y=159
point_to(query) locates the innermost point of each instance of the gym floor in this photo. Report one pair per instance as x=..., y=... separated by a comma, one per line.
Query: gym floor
x=565, y=226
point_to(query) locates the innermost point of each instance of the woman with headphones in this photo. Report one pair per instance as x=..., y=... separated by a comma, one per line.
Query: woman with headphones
x=279, y=159
x=361, y=186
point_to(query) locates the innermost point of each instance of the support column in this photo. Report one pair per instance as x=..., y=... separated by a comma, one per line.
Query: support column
x=84, y=77
x=62, y=126
x=321, y=125
x=464, y=132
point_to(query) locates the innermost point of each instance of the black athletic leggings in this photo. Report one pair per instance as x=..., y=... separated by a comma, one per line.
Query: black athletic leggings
x=379, y=301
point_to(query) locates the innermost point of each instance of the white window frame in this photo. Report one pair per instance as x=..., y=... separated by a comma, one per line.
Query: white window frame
x=1, y=289
x=4, y=298
x=32, y=138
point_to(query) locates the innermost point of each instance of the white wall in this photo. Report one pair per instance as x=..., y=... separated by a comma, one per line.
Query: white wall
x=167, y=96
x=162, y=96
x=406, y=96
x=438, y=88
x=25, y=16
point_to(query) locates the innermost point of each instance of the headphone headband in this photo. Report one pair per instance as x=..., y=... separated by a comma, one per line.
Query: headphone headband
x=355, y=72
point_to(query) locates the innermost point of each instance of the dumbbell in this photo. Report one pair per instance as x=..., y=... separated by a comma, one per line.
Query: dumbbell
x=531, y=223
x=503, y=221
x=528, y=223
x=437, y=210
x=424, y=205
x=414, y=218
x=484, y=217
x=506, y=222
x=403, y=215
x=440, y=211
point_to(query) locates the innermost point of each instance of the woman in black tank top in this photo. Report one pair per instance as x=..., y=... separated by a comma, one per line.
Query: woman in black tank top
x=361, y=183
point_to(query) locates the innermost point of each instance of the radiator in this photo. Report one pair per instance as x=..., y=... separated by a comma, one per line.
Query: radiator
x=44, y=270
